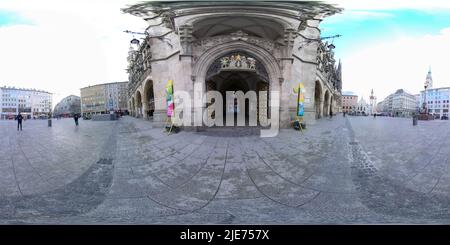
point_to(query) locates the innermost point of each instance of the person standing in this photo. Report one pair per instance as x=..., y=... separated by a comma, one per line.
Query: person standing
x=19, y=119
x=75, y=117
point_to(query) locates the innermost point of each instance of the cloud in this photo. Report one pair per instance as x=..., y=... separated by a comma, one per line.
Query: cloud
x=398, y=63
x=391, y=4
x=357, y=15
x=69, y=45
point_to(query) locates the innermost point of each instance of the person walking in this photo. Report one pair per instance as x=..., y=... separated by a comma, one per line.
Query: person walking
x=75, y=117
x=19, y=119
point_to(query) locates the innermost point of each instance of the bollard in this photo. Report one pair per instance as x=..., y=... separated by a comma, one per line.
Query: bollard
x=414, y=120
x=49, y=122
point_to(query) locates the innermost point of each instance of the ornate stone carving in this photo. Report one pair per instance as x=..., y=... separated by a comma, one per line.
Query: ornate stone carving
x=289, y=38
x=237, y=61
x=186, y=38
x=205, y=44
x=326, y=66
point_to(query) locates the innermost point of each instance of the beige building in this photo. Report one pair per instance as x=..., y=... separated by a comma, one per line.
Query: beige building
x=234, y=46
x=68, y=107
x=103, y=98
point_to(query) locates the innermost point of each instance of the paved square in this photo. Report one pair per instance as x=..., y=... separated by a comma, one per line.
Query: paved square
x=339, y=171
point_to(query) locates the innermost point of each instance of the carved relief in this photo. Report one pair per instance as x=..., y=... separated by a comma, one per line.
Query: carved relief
x=326, y=66
x=237, y=61
x=205, y=44
x=186, y=38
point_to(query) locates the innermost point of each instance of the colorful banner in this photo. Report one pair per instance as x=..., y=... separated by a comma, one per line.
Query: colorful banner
x=300, y=100
x=169, y=98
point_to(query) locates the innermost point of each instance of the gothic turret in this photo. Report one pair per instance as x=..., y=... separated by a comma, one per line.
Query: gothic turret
x=339, y=76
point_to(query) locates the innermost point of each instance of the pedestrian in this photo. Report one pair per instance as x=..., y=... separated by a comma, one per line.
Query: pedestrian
x=75, y=117
x=19, y=121
x=331, y=113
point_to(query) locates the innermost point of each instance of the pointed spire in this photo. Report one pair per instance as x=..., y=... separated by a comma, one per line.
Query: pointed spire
x=339, y=70
x=429, y=79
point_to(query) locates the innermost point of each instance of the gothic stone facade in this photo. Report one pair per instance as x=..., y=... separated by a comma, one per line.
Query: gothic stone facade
x=259, y=46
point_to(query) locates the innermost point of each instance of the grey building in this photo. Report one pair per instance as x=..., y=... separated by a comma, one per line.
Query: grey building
x=68, y=106
x=399, y=104
x=234, y=46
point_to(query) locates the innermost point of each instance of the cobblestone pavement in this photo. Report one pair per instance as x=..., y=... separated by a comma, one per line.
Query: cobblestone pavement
x=339, y=171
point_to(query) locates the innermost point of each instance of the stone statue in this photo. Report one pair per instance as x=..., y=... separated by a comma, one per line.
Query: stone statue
x=232, y=61
x=238, y=61
x=224, y=62
x=252, y=63
x=244, y=62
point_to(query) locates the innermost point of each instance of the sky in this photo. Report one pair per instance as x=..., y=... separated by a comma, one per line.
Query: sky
x=63, y=45
x=390, y=45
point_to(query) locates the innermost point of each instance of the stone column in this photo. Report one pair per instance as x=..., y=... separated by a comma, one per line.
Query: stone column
x=145, y=109
x=137, y=112
x=287, y=99
x=329, y=106
x=321, y=106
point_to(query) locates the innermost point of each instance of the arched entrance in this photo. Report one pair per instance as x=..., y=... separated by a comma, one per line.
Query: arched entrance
x=138, y=104
x=240, y=71
x=211, y=58
x=318, y=99
x=149, y=99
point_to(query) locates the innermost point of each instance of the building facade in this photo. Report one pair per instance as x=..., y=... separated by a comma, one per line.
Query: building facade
x=399, y=104
x=103, y=98
x=68, y=107
x=437, y=101
x=349, y=102
x=362, y=108
x=418, y=102
x=234, y=46
x=31, y=103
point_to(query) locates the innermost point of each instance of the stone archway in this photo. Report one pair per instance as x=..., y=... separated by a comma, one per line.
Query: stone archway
x=318, y=95
x=148, y=100
x=240, y=74
x=262, y=56
x=138, y=104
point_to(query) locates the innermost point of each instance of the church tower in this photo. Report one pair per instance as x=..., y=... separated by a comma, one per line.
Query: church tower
x=429, y=80
x=373, y=103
